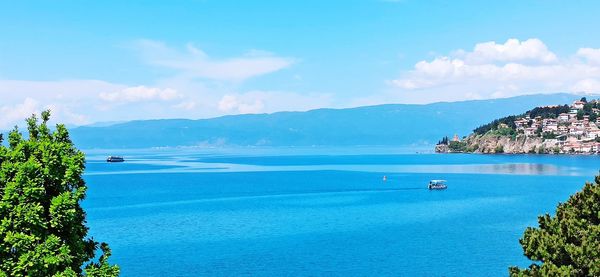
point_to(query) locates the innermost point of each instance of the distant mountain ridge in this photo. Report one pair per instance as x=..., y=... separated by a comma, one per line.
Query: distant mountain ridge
x=384, y=125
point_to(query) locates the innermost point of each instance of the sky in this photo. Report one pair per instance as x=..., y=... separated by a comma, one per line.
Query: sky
x=104, y=61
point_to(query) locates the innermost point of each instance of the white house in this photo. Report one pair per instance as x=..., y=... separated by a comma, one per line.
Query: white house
x=576, y=129
x=586, y=147
x=530, y=131
x=578, y=105
x=563, y=129
x=549, y=121
x=550, y=128
x=593, y=134
x=563, y=117
x=520, y=123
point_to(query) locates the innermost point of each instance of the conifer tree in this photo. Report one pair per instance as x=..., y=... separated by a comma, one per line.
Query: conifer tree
x=567, y=243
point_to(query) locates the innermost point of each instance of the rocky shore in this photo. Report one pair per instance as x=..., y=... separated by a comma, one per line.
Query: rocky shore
x=490, y=144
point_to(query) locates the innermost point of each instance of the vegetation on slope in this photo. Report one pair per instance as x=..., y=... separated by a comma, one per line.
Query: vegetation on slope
x=544, y=112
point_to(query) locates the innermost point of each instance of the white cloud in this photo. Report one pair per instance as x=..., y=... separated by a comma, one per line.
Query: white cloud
x=587, y=85
x=80, y=102
x=513, y=50
x=194, y=63
x=140, y=93
x=71, y=101
x=590, y=54
x=11, y=114
x=186, y=105
x=205, y=86
x=237, y=104
x=16, y=114
x=272, y=101
x=500, y=70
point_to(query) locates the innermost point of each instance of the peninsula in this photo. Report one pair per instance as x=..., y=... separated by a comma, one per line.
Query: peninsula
x=558, y=129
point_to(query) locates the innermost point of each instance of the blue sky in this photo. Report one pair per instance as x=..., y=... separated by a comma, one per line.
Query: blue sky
x=124, y=60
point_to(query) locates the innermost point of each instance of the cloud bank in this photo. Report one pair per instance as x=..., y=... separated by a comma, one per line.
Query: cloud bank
x=196, y=85
x=140, y=93
x=493, y=70
x=77, y=102
x=272, y=101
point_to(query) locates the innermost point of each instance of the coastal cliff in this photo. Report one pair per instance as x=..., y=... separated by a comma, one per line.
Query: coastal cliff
x=442, y=148
x=491, y=144
x=504, y=144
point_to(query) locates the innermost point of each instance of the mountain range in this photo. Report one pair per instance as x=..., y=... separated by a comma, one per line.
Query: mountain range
x=381, y=125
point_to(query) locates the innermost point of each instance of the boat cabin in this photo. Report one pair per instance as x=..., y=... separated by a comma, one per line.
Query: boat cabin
x=437, y=184
x=114, y=159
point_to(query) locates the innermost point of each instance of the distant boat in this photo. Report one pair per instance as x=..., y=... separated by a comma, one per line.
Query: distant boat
x=437, y=184
x=115, y=159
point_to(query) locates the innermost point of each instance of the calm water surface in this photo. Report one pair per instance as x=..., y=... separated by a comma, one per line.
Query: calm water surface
x=311, y=212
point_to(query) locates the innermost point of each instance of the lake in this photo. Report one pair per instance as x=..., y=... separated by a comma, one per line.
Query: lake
x=321, y=211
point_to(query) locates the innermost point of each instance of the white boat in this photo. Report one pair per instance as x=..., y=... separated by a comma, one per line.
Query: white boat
x=115, y=159
x=437, y=184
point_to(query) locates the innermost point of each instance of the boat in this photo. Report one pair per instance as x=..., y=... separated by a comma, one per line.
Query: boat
x=437, y=184
x=115, y=159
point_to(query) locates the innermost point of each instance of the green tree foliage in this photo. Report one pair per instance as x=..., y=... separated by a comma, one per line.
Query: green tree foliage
x=457, y=146
x=42, y=225
x=503, y=132
x=444, y=140
x=548, y=135
x=543, y=112
x=548, y=112
x=499, y=149
x=541, y=149
x=538, y=131
x=556, y=149
x=588, y=109
x=580, y=114
x=568, y=243
x=509, y=120
x=533, y=150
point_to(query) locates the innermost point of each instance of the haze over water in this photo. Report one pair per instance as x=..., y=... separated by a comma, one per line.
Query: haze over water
x=322, y=211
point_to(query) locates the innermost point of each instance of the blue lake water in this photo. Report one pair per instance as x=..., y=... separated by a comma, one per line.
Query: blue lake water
x=310, y=212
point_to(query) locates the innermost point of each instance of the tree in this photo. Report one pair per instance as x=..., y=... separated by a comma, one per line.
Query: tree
x=457, y=146
x=556, y=149
x=568, y=243
x=544, y=112
x=587, y=108
x=580, y=114
x=443, y=141
x=42, y=225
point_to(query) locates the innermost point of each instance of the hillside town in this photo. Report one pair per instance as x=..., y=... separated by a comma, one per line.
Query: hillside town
x=568, y=129
x=572, y=132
